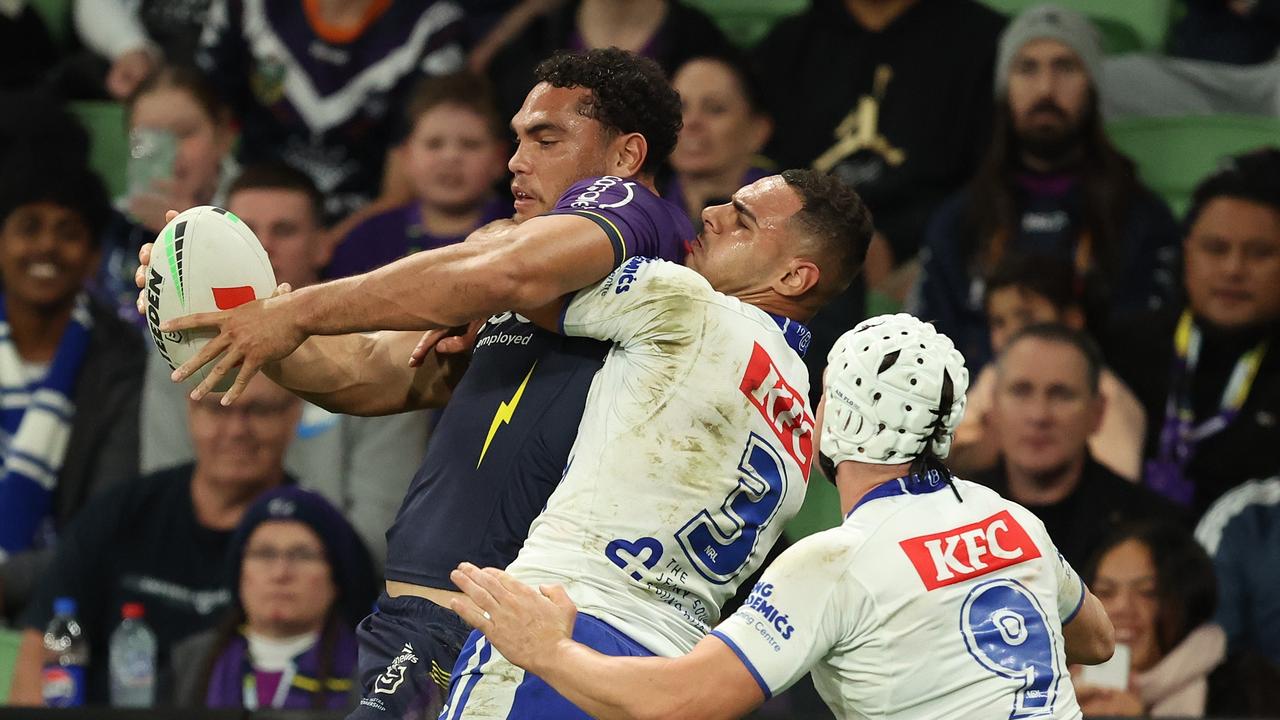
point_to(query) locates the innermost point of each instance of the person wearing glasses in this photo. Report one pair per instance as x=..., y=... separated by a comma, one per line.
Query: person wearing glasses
x=162, y=539
x=303, y=580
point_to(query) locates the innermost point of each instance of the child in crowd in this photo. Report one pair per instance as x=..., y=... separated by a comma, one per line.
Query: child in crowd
x=454, y=155
x=1023, y=291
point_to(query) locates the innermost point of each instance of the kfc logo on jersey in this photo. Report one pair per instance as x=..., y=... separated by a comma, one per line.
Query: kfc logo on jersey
x=953, y=556
x=782, y=407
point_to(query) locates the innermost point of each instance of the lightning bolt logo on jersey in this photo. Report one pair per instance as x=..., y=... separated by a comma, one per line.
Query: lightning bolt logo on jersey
x=693, y=452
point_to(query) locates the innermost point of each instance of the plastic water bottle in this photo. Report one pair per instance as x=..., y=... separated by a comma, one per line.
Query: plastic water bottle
x=66, y=653
x=133, y=661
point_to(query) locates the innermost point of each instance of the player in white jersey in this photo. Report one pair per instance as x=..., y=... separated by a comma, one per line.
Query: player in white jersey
x=696, y=441
x=936, y=598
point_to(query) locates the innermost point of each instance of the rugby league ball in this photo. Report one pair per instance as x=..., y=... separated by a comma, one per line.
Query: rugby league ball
x=204, y=260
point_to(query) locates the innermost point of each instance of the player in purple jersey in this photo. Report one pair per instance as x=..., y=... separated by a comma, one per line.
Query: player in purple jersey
x=604, y=121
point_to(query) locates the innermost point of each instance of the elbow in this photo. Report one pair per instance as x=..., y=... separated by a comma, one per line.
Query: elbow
x=1104, y=642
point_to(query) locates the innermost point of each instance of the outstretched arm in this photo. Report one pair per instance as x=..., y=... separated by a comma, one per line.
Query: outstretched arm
x=508, y=267
x=533, y=629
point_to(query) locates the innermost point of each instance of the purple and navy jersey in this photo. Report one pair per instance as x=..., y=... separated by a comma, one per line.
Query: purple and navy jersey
x=325, y=103
x=503, y=441
x=393, y=234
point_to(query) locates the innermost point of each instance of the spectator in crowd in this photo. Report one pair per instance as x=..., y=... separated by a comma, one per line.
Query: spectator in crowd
x=667, y=31
x=302, y=581
x=901, y=124
x=1157, y=586
x=725, y=128
x=162, y=539
x=1208, y=373
x=70, y=372
x=182, y=137
x=1241, y=531
x=319, y=84
x=1242, y=32
x=27, y=52
x=1045, y=406
x=1050, y=183
x=1028, y=290
x=360, y=464
x=454, y=155
x=134, y=37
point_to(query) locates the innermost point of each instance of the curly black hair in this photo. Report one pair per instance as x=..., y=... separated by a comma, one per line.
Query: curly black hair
x=629, y=94
x=1253, y=176
x=30, y=175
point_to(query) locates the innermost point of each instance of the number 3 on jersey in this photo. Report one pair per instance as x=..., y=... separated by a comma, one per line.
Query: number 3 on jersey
x=720, y=544
x=1006, y=631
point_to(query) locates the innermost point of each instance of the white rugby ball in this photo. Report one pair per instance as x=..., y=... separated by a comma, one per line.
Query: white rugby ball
x=204, y=260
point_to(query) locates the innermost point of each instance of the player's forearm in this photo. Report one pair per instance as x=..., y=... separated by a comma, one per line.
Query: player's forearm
x=364, y=374
x=620, y=688
x=500, y=267
x=1090, y=637
x=436, y=289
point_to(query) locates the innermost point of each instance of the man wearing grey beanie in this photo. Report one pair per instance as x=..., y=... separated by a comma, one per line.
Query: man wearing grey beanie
x=1050, y=184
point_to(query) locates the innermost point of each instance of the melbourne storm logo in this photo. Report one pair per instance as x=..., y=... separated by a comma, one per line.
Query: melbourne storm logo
x=391, y=678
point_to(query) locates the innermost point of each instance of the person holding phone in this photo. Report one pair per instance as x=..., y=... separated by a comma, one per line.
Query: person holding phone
x=1158, y=587
x=180, y=139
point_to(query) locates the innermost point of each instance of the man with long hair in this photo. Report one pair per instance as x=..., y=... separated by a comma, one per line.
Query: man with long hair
x=1050, y=183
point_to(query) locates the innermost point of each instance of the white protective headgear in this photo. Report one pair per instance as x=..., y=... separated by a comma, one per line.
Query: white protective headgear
x=886, y=380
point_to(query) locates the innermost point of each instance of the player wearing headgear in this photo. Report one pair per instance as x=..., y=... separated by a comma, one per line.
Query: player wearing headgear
x=697, y=438
x=935, y=598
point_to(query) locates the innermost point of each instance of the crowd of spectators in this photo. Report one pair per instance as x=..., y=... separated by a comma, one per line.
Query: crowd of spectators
x=1126, y=359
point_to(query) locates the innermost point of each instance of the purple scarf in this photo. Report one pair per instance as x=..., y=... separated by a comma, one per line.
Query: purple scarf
x=233, y=680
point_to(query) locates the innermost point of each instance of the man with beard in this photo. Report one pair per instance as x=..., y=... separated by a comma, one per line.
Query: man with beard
x=1050, y=184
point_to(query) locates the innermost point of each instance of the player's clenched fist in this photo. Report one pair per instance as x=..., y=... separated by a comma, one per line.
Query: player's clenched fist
x=526, y=625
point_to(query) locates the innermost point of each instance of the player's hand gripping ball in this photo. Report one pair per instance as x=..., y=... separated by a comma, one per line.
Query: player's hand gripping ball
x=204, y=260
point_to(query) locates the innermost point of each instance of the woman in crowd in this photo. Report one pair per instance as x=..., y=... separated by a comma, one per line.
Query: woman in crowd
x=180, y=147
x=303, y=580
x=725, y=127
x=1158, y=587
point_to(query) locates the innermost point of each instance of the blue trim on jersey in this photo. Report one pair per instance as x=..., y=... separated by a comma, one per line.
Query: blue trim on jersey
x=743, y=657
x=906, y=485
x=798, y=336
x=485, y=652
x=1080, y=604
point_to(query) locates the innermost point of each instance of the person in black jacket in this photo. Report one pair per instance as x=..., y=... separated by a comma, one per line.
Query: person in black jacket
x=1050, y=184
x=886, y=96
x=70, y=371
x=1208, y=373
x=1046, y=404
x=666, y=31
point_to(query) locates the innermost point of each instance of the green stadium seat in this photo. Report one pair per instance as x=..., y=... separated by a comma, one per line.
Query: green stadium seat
x=821, y=509
x=1125, y=25
x=9, y=642
x=57, y=19
x=109, y=146
x=1173, y=154
x=746, y=22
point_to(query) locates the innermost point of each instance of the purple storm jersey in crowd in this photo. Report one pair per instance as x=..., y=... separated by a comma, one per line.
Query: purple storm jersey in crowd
x=325, y=104
x=389, y=236
x=503, y=441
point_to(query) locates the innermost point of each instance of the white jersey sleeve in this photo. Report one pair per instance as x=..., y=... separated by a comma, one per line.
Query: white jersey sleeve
x=643, y=301
x=1070, y=590
x=804, y=606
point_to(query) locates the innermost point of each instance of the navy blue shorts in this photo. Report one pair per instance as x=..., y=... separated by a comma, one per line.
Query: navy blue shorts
x=407, y=648
x=488, y=687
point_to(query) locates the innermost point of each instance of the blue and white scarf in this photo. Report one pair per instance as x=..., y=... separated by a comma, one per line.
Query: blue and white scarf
x=35, y=427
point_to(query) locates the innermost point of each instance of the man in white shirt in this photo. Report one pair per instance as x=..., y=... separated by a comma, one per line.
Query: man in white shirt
x=934, y=598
